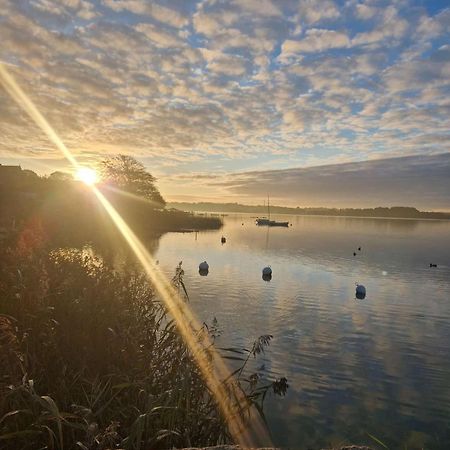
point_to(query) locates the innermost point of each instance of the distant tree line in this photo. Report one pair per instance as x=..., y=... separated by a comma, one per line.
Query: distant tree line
x=404, y=212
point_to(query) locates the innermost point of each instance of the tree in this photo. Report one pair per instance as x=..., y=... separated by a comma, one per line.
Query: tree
x=126, y=173
x=60, y=176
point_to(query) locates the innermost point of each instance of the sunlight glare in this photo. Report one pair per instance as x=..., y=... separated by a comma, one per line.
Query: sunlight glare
x=87, y=176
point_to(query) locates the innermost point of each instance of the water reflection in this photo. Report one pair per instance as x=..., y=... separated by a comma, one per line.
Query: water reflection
x=354, y=367
x=120, y=256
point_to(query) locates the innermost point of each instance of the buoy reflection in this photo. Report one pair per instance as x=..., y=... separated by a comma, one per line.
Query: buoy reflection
x=267, y=276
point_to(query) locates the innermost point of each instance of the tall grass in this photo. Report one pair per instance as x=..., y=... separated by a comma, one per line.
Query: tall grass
x=89, y=358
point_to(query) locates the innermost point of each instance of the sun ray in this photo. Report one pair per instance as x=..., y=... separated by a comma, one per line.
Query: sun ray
x=188, y=325
x=130, y=195
x=15, y=91
x=242, y=433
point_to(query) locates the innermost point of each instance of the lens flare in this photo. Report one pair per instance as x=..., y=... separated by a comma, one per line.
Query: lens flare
x=231, y=400
x=87, y=176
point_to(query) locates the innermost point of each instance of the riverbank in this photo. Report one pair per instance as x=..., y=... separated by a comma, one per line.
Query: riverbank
x=72, y=215
x=71, y=212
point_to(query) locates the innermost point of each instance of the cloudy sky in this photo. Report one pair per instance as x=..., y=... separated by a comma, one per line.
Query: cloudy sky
x=229, y=99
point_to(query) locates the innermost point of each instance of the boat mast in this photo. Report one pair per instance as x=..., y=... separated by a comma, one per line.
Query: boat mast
x=268, y=206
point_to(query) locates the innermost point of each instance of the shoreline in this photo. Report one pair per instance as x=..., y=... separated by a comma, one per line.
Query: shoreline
x=325, y=215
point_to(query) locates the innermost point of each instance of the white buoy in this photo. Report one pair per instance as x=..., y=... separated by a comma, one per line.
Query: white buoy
x=267, y=271
x=360, y=290
x=203, y=266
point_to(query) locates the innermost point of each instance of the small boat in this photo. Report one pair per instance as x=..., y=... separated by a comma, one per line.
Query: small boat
x=270, y=223
x=265, y=221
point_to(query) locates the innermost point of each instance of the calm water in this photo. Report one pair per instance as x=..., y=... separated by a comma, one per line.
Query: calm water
x=379, y=365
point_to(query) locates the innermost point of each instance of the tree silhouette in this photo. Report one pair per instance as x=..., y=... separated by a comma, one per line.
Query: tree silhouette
x=60, y=176
x=129, y=175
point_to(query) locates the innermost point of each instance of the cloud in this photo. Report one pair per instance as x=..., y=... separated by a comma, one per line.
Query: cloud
x=431, y=71
x=390, y=26
x=213, y=23
x=83, y=9
x=160, y=37
x=420, y=181
x=312, y=11
x=152, y=9
x=223, y=63
x=365, y=11
x=168, y=16
x=315, y=40
x=228, y=83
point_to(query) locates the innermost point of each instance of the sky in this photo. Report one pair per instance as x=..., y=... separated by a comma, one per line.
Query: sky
x=231, y=100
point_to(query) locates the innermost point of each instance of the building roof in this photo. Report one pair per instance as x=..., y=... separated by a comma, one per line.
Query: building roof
x=10, y=169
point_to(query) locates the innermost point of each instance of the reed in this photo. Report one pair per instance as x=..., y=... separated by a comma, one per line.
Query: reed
x=89, y=359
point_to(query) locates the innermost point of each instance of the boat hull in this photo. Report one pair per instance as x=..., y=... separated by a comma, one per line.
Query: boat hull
x=271, y=223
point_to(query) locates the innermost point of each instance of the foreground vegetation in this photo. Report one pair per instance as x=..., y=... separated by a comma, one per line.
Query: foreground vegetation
x=89, y=358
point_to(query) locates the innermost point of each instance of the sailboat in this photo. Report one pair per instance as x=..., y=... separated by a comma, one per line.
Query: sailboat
x=266, y=220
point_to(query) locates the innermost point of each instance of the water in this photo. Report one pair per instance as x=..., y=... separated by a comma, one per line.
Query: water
x=379, y=366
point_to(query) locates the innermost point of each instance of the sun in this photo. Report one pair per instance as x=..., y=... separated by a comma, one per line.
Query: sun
x=87, y=175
